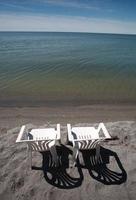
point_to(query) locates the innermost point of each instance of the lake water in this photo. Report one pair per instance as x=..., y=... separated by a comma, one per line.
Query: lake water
x=66, y=68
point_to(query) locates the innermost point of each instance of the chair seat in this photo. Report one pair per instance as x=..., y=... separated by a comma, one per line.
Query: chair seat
x=86, y=138
x=43, y=134
x=85, y=133
x=43, y=139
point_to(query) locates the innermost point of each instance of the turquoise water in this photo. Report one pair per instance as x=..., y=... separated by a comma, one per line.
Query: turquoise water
x=67, y=68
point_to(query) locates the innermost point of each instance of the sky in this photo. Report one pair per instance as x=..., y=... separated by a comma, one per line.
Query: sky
x=99, y=16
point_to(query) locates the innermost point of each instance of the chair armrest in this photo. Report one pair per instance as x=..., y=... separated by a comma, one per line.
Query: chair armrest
x=20, y=134
x=69, y=132
x=102, y=126
x=58, y=131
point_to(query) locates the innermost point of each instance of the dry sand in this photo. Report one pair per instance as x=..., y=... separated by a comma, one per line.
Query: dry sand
x=114, y=178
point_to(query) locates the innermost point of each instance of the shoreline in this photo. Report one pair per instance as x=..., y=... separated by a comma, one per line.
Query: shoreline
x=16, y=116
x=34, y=103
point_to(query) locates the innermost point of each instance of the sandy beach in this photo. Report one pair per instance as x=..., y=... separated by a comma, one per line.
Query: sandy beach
x=68, y=62
x=115, y=178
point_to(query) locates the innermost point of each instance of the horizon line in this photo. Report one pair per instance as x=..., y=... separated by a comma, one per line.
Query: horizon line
x=108, y=33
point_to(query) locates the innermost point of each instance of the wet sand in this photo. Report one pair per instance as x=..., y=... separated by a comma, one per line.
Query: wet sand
x=11, y=117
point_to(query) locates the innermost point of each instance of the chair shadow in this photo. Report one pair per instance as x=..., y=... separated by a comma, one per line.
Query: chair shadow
x=100, y=170
x=58, y=176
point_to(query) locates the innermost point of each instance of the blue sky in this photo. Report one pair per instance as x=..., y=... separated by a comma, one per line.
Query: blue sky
x=110, y=16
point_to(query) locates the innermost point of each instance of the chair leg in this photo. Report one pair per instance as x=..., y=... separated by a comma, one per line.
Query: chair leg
x=54, y=155
x=74, y=157
x=75, y=153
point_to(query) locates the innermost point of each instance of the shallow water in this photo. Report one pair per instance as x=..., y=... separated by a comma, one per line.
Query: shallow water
x=38, y=68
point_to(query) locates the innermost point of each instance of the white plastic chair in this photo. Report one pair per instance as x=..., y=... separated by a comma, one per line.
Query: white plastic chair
x=40, y=140
x=86, y=138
